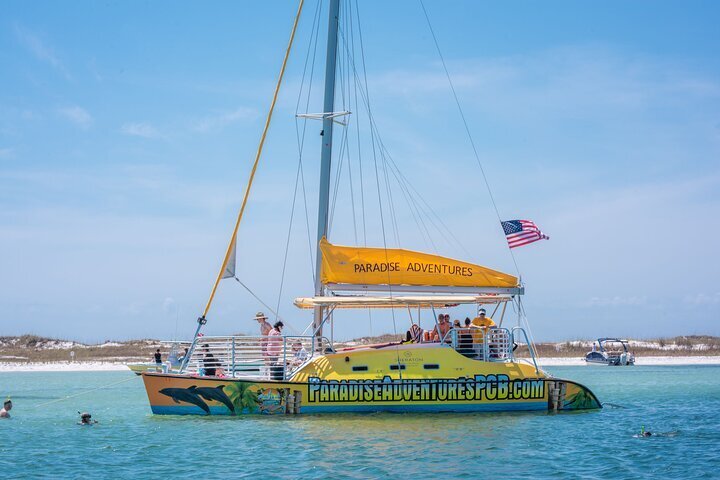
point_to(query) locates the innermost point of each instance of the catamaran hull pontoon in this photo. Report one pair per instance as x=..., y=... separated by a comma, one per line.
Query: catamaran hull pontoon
x=353, y=382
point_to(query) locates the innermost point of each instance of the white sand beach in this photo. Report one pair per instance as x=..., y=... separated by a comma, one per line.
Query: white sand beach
x=659, y=360
x=544, y=362
x=63, y=367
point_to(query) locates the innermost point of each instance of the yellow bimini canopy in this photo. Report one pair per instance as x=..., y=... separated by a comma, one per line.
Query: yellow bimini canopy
x=398, y=267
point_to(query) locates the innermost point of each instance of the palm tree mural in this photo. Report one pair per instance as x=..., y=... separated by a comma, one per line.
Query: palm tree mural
x=243, y=396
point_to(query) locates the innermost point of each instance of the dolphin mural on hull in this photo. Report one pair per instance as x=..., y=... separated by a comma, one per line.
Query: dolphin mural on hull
x=214, y=393
x=186, y=395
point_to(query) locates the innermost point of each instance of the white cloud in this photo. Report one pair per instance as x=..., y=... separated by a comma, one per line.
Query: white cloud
x=216, y=122
x=141, y=129
x=39, y=49
x=588, y=75
x=616, y=301
x=77, y=115
x=703, y=299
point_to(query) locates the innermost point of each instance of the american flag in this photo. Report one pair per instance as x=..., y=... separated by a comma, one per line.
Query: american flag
x=522, y=232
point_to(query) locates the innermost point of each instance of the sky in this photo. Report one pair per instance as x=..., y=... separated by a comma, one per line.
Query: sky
x=128, y=130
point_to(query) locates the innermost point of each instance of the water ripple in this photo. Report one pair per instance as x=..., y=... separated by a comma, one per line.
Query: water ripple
x=677, y=403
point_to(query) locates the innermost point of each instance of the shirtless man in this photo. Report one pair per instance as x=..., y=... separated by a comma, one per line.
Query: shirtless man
x=7, y=406
x=444, y=327
x=265, y=328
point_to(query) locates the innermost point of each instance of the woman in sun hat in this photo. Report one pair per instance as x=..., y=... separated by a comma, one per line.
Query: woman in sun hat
x=265, y=328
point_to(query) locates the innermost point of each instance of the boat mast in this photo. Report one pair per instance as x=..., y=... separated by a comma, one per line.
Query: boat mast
x=326, y=154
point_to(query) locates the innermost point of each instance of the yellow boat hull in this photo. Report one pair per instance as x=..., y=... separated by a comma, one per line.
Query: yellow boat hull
x=428, y=379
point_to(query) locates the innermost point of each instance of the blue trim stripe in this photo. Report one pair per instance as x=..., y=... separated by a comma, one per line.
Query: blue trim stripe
x=310, y=409
x=442, y=408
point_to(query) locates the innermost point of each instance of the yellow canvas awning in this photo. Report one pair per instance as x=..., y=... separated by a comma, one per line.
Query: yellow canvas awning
x=394, y=266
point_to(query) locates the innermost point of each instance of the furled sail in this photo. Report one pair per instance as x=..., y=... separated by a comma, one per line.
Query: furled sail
x=229, y=271
x=393, y=266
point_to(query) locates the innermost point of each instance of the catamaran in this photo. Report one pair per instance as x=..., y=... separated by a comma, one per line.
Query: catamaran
x=466, y=368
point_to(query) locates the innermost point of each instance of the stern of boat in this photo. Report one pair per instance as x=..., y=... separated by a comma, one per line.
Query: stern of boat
x=566, y=395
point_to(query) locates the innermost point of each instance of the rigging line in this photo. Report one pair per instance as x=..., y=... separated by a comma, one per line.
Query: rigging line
x=439, y=226
x=375, y=131
x=420, y=197
x=362, y=50
x=263, y=303
x=417, y=215
x=84, y=392
x=391, y=203
x=352, y=190
x=467, y=128
x=367, y=104
x=341, y=68
x=336, y=186
x=307, y=222
x=375, y=135
x=387, y=259
x=313, y=34
x=415, y=211
x=349, y=107
x=232, y=244
x=527, y=324
x=357, y=129
x=300, y=150
x=287, y=242
x=301, y=139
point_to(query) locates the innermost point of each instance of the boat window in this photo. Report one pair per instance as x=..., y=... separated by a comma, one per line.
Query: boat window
x=360, y=368
x=431, y=366
x=397, y=366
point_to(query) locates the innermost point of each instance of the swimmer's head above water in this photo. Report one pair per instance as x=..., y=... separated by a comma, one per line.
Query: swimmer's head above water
x=86, y=419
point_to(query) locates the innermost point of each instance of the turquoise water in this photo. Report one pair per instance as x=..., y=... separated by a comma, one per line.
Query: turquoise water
x=43, y=441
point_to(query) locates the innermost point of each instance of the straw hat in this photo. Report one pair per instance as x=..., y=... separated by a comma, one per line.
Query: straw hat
x=260, y=316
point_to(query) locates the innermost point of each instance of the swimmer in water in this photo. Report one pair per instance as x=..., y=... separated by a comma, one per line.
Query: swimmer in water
x=5, y=411
x=645, y=433
x=86, y=419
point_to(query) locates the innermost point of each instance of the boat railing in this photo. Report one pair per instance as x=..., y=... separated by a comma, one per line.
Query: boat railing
x=519, y=330
x=486, y=344
x=254, y=357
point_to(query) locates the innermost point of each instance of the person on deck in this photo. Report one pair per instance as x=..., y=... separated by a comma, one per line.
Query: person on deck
x=7, y=406
x=183, y=355
x=210, y=364
x=300, y=355
x=265, y=328
x=414, y=334
x=481, y=324
x=442, y=328
x=465, y=340
x=274, y=349
x=158, y=357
